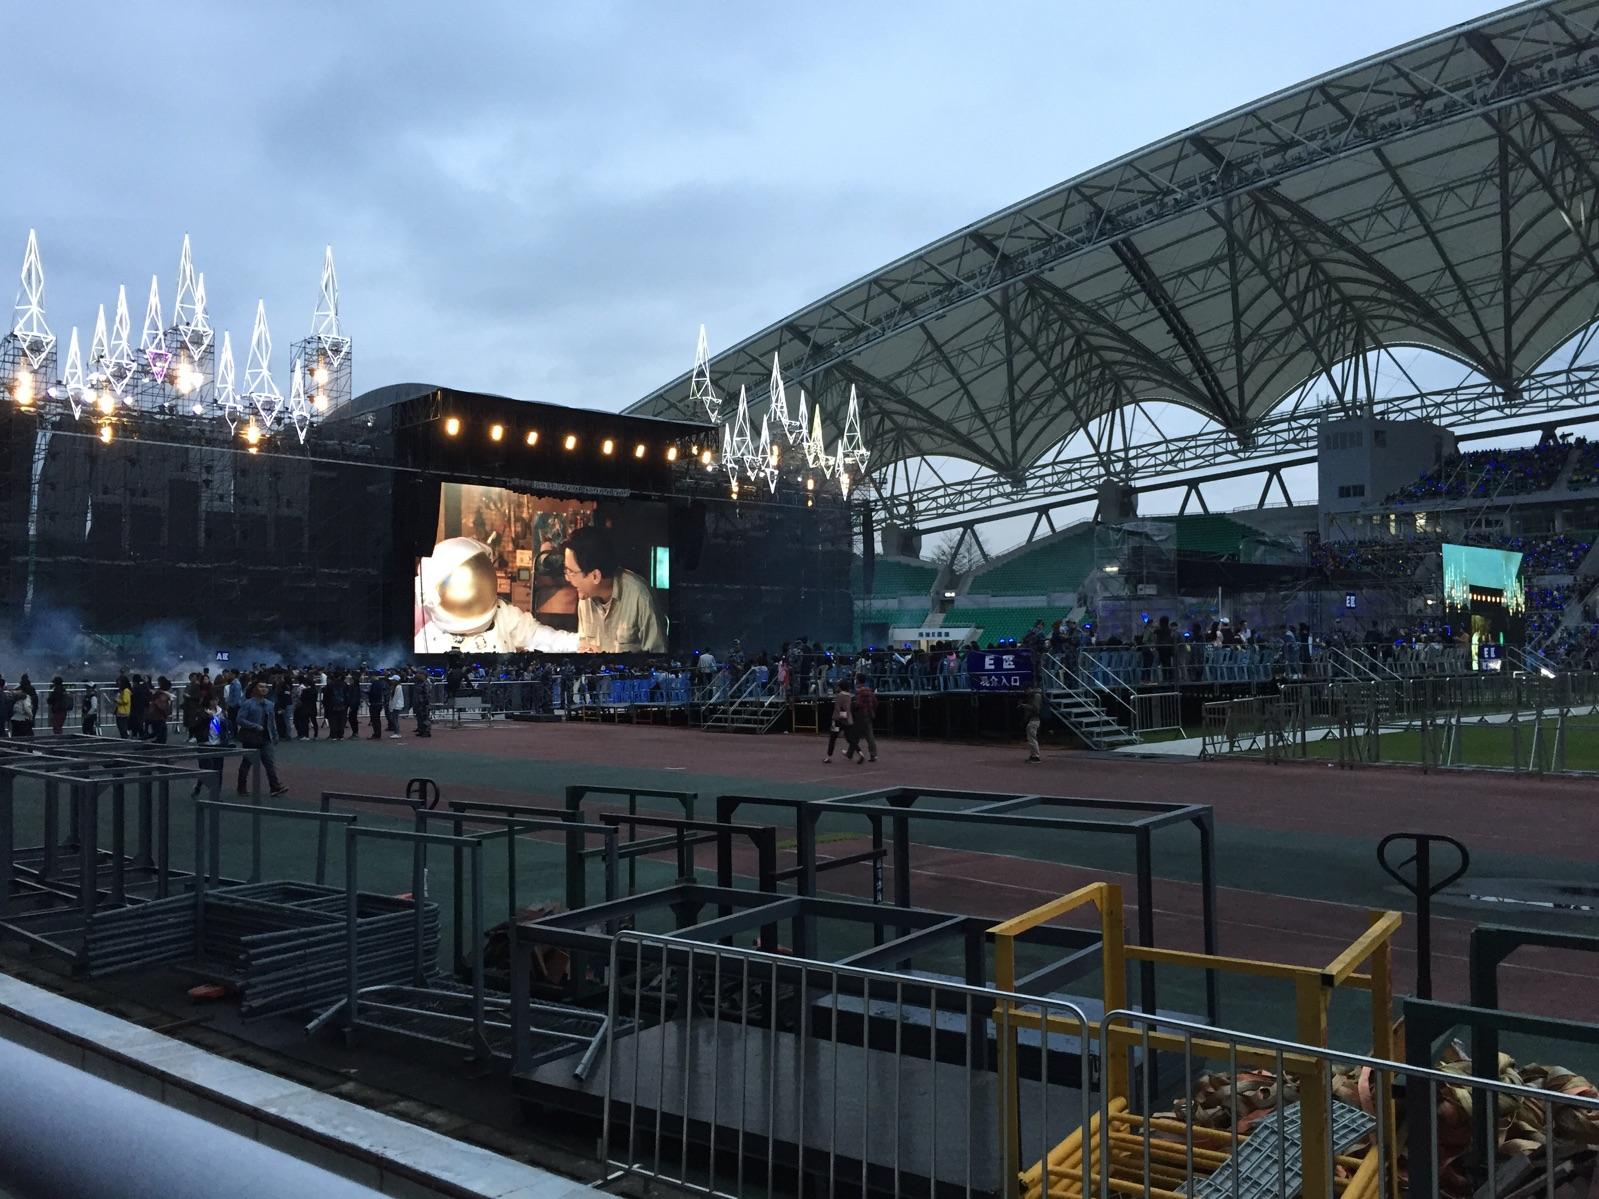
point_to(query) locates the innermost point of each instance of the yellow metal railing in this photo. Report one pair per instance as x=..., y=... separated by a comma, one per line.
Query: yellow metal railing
x=1313, y=991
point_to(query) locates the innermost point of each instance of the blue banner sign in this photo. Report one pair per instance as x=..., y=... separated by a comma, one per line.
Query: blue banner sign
x=1000, y=669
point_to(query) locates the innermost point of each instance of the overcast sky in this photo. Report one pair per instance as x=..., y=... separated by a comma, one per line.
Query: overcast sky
x=547, y=200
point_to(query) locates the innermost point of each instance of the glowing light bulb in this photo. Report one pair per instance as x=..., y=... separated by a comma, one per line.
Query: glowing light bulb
x=106, y=403
x=320, y=375
x=607, y=446
x=106, y=434
x=252, y=433
x=25, y=388
x=638, y=450
x=810, y=482
x=571, y=441
x=496, y=432
x=320, y=403
x=532, y=437
x=671, y=453
x=705, y=459
x=452, y=426
x=197, y=409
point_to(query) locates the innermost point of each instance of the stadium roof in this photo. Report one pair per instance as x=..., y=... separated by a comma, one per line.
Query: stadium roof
x=1443, y=194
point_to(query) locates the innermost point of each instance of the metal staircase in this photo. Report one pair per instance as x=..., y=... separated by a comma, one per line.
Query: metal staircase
x=748, y=707
x=1078, y=704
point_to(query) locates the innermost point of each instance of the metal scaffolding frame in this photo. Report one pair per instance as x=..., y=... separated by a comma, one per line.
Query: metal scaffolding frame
x=1251, y=266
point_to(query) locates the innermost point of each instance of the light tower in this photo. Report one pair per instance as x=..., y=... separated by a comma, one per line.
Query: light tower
x=189, y=340
x=119, y=366
x=700, y=391
x=783, y=424
x=325, y=355
x=259, y=388
x=27, y=352
x=227, y=393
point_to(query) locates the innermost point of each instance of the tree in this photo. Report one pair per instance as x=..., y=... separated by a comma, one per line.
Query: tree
x=960, y=557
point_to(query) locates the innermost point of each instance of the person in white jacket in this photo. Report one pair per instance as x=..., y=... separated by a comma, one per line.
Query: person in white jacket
x=461, y=609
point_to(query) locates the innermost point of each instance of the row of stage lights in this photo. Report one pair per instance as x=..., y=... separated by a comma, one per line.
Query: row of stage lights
x=497, y=432
x=173, y=369
x=454, y=427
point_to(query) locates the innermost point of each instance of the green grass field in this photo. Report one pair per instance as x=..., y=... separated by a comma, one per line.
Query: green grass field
x=1492, y=745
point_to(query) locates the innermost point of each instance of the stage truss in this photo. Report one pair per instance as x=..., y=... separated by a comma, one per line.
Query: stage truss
x=1437, y=196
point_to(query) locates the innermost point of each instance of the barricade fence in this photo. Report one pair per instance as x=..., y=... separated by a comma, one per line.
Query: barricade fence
x=1520, y=722
x=1157, y=711
x=1189, y=663
x=734, y=1071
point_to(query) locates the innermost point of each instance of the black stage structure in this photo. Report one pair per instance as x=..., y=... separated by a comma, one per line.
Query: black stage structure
x=314, y=544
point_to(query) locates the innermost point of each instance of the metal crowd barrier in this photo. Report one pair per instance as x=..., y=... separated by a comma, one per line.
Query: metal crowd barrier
x=747, y=1071
x=1156, y=711
x=732, y=1071
x=1427, y=721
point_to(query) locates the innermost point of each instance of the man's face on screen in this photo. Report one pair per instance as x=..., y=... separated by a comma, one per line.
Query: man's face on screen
x=586, y=584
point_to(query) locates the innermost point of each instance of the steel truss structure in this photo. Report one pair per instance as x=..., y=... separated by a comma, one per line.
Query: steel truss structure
x=1436, y=196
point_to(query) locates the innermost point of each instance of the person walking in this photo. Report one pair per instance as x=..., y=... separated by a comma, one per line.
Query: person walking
x=864, y=711
x=843, y=722
x=124, y=712
x=58, y=703
x=89, y=707
x=377, y=694
x=1033, y=713
x=258, y=730
x=159, y=710
x=209, y=729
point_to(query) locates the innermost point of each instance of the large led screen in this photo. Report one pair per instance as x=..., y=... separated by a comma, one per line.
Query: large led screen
x=1466, y=566
x=511, y=572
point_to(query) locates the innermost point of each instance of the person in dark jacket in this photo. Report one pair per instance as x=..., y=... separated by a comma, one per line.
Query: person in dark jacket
x=89, y=706
x=422, y=706
x=1032, y=707
x=352, y=696
x=139, y=711
x=283, y=706
x=377, y=695
x=336, y=706
x=58, y=704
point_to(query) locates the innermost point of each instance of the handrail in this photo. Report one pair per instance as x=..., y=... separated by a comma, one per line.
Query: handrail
x=1056, y=671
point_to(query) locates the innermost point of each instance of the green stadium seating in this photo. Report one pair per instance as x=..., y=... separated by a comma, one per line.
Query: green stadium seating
x=1219, y=535
x=1051, y=567
x=895, y=576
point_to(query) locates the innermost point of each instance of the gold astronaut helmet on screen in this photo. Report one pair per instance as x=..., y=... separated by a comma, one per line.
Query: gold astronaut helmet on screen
x=459, y=586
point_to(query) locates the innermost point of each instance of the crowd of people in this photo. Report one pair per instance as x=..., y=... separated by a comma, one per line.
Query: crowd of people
x=1584, y=468
x=1484, y=474
x=255, y=709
